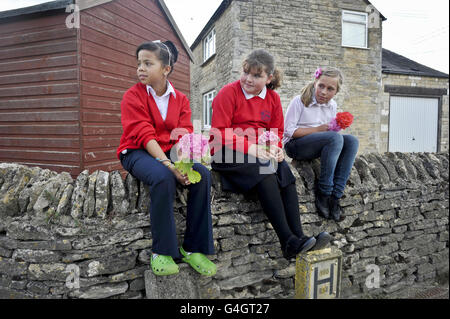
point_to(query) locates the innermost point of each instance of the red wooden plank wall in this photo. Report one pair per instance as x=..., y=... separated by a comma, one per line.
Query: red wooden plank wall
x=39, y=93
x=110, y=34
x=60, y=88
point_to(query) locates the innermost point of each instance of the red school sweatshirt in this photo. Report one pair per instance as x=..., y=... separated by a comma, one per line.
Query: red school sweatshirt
x=232, y=110
x=142, y=121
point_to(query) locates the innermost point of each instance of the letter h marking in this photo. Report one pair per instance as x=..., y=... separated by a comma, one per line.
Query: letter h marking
x=323, y=281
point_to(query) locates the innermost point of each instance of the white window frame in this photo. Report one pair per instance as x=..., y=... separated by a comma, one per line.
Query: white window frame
x=207, y=108
x=366, y=24
x=209, y=45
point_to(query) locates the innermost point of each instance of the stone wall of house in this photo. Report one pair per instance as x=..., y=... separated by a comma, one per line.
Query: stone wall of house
x=55, y=230
x=302, y=35
x=416, y=82
x=217, y=71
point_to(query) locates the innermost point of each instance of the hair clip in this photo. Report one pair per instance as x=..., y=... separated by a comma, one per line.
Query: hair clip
x=318, y=73
x=165, y=47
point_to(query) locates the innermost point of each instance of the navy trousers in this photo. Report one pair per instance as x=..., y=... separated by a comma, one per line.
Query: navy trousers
x=162, y=184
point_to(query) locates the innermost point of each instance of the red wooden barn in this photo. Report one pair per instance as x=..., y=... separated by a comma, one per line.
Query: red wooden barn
x=63, y=75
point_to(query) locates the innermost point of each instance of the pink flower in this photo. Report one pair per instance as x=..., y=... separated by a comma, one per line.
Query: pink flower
x=318, y=73
x=334, y=126
x=268, y=138
x=341, y=122
x=194, y=147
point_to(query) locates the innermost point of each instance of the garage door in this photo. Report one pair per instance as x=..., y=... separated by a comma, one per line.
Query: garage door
x=413, y=124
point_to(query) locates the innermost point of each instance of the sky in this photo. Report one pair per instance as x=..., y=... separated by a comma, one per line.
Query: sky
x=416, y=29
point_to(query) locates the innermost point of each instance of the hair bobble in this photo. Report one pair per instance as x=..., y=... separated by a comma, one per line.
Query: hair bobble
x=318, y=73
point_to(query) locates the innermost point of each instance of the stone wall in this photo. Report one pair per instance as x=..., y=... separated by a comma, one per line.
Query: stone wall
x=302, y=35
x=220, y=69
x=54, y=229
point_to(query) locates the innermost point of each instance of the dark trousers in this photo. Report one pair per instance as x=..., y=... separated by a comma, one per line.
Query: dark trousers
x=276, y=191
x=162, y=184
x=281, y=208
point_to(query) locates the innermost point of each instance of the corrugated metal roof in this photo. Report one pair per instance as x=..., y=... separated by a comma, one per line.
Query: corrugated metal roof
x=394, y=63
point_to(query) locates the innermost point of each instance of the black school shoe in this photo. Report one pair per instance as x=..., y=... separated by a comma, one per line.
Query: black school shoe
x=322, y=240
x=335, y=209
x=323, y=204
x=295, y=246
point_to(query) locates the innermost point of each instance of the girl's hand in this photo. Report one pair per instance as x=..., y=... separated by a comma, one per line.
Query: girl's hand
x=178, y=150
x=277, y=153
x=322, y=128
x=259, y=151
x=181, y=178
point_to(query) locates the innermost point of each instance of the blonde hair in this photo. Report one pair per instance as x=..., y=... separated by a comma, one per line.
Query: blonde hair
x=307, y=92
x=261, y=60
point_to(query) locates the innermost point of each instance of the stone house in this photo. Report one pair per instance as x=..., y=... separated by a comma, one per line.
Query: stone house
x=302, y=35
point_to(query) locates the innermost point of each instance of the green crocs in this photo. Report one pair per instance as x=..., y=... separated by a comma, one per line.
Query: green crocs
x=164, y=265
x=200, y=263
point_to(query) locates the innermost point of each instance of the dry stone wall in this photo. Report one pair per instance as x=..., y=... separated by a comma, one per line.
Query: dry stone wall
x=90, y=237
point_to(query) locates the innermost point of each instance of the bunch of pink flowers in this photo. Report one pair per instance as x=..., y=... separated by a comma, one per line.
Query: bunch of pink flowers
x=194, y=147
x=268, y=138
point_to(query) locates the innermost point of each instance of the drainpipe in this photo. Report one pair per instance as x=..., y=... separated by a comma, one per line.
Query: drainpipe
x=253, y=19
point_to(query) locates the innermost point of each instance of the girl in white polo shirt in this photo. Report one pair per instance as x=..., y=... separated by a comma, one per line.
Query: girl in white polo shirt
x=306, y=136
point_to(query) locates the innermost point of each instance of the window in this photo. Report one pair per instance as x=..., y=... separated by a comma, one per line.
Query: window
x=354, y=29
x=207, y=108
x=209, y=45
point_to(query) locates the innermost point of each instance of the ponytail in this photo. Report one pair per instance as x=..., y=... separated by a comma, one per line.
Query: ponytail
x=173, y=53
x=276, y=80
x=307, y=94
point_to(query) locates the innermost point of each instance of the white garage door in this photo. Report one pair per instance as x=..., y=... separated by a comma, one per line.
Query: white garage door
x=413, y=124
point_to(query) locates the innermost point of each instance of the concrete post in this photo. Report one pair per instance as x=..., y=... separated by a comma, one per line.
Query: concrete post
x=318, y=274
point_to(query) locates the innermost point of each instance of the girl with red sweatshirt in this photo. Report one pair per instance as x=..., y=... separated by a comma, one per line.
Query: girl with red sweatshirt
x=242, y=112
x=150, y=111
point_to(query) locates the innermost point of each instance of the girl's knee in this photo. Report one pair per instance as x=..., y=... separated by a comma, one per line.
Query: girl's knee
x=351, y=141
x=203, y=171
x=291, y=149
x=163, y=177
x=271, y=179
x=335, y=138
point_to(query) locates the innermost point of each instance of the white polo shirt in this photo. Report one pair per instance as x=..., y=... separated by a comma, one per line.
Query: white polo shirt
x=262, y=94
x=299, y=116
x=162, y=101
